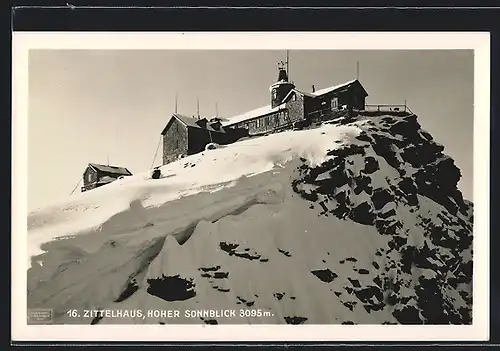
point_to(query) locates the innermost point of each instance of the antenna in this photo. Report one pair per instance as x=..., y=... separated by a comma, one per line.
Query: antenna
x=287, y=65
x=198, y=107
x=176, y=96
x=357, y=70
x=107, y=159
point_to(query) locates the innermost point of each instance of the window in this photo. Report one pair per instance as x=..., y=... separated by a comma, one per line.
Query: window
x=275, y=94
x=89, y=177
x=294, y=97
x=335, y=103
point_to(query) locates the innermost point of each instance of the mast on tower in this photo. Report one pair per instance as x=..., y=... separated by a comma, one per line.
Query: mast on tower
x=287, y=64
x=283, y=85
x=176, y=97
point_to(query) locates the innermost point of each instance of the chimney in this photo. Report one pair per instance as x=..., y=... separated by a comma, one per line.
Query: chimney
x=314, y=89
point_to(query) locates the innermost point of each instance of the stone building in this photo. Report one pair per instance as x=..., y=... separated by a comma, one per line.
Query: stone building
x=183, y=136
x=289, y=108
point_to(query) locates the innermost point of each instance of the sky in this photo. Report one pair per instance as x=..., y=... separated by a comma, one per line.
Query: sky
x=111, y=105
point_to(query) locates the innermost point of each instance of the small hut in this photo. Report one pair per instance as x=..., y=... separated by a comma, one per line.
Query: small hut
x=97, y=175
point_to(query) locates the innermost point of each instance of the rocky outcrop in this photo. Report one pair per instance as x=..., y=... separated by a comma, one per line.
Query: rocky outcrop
x=428, y=258
x=375, y=232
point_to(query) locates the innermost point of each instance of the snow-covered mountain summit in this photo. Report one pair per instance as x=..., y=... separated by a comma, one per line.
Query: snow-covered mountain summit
x=354, y=222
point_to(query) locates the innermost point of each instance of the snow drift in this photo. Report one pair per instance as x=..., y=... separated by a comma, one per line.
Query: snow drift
x=354, y=222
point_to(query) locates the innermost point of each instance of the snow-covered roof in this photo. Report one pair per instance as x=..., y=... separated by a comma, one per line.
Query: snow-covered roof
x=304, y=93
x=332, y=88
x=261, y=111
x=110, y=169
x=265, y=110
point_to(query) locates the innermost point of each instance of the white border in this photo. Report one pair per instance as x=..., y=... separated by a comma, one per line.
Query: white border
x=479, y=42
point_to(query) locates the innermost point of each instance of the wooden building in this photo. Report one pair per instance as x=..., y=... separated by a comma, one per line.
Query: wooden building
x=183, y=136
x=97, y=175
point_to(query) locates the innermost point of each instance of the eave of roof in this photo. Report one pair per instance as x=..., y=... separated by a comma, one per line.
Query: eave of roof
x=256, y=113
x=110, y=169
x=338, y=87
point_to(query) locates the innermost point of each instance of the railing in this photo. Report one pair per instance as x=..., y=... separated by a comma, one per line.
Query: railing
x=326, y=113
x=388, y=108
x=330, y=114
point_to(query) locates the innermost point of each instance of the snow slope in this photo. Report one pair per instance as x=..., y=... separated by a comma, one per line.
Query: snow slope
x=358, y=222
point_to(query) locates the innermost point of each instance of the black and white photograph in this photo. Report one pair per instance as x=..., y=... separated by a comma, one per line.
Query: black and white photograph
x=325, y=186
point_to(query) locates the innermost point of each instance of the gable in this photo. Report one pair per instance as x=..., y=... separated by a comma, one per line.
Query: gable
x=358, y=86
x=171, y=121
x=89, y=175
x=88, y=170
x=298, y=93
x=191, y=122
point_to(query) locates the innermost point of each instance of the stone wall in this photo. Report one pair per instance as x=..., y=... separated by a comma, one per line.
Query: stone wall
x=175, y=142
